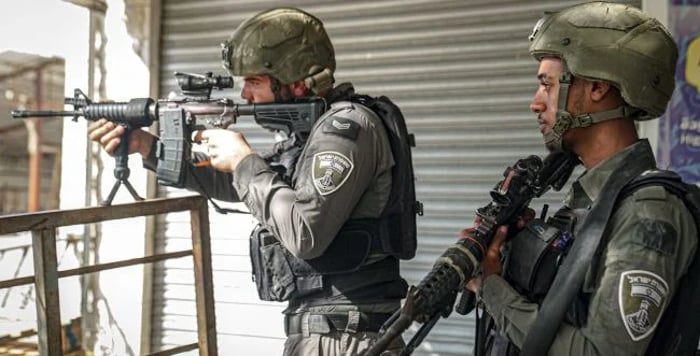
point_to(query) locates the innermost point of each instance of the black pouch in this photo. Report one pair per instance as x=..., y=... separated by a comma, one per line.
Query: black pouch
x=279, y=276
x=346, y=254
x=272, y=273
x=532, y=261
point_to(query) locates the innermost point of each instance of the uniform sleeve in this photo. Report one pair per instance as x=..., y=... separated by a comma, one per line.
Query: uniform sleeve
x=208, y=181
x=511, y=312
x=341, y=158
x=651, y=244
x=203, y=180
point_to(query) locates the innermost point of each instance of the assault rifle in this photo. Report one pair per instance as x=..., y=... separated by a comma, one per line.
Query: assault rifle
x=436, y=293
x=178, y=119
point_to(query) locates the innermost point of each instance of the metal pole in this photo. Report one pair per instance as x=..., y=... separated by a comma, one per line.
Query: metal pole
x=204, y=289
x=46, y=283
x=154, y=20
x=88, y=323
x=35, y=148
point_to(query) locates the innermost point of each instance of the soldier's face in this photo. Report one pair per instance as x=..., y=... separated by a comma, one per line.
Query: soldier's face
x=546, y=99
x=257, y=89
x=544, y=103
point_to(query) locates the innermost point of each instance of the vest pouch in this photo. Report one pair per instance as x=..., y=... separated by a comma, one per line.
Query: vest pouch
x=346, y=253
x=395, y=238
x=532, y=262
x=280, y=276
x=272, y=274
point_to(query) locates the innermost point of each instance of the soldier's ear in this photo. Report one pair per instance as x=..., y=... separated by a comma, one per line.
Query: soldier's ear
x=599, y=90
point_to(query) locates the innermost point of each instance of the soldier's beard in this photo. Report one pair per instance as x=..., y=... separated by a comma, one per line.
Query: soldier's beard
x=553, y=144
x=556, y=144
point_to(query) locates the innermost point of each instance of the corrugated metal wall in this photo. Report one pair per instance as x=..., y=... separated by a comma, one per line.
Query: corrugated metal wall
x=461, y=73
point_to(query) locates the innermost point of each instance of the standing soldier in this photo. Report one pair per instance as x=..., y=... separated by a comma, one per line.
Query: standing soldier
x=620, y=262
x=336, y=210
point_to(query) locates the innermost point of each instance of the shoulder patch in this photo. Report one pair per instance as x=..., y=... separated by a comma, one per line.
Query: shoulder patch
x=642, y=298
x=330, y=171
x=658, y=235
x=342, y=127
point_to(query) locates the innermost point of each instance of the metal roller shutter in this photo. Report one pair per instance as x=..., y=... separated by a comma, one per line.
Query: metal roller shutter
x=461, y=73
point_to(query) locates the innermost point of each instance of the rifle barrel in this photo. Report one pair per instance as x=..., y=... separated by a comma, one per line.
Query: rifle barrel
x=21, y=114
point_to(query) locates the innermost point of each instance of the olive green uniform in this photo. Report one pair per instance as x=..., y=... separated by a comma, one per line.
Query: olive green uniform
x=344, y=172
x=648, y=245
x=348, y=143
x=351, y=141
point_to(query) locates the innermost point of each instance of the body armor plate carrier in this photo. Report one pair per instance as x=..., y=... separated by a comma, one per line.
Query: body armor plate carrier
x=342, y=268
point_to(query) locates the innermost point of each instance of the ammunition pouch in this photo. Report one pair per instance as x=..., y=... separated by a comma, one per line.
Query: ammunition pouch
x=532, y=261
x=272, y=274
x=280, y=276
x=534, y=254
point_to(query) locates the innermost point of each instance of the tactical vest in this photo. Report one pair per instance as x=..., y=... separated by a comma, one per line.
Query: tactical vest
x=535, y=254
x=344, y=270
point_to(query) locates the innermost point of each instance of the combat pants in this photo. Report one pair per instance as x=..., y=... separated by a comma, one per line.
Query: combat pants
x=316, y=334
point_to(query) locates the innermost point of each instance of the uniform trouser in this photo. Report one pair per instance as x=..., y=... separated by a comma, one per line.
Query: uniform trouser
x=335, y=343
x=334, y=334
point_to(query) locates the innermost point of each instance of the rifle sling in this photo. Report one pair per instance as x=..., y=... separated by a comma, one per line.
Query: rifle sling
x=569, y=279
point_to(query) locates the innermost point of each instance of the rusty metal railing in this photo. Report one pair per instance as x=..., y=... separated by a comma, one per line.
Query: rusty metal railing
x=46, y=274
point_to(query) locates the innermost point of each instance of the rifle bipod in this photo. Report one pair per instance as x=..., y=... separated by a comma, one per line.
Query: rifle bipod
x=121, y=169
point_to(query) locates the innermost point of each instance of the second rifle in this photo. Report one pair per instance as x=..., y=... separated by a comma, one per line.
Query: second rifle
x=436, y=294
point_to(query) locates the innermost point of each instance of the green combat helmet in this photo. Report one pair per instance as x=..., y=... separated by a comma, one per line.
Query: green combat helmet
x=609, y=42
x=285, y=43
x=615, y=43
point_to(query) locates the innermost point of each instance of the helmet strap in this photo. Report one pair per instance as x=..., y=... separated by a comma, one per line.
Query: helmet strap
x=553, y=139
x=585, y=120
x=565, y=120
